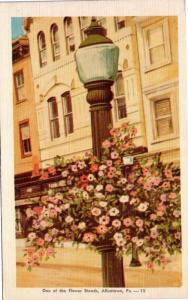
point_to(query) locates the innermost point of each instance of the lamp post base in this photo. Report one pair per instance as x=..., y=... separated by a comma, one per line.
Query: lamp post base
x=135, y=262
x=112, y=267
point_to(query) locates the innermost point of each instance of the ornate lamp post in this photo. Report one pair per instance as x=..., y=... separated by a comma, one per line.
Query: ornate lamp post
x=97, y=63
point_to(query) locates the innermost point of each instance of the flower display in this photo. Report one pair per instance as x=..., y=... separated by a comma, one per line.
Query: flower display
x=100, y=202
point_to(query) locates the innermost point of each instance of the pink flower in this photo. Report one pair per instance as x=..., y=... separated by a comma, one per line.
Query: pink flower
x=147, y=186
x=50, y=251
x=146, y=172
x=102, y=229
x=52, y=170
x=123, y=125
x=154, y=233
x=74, y=168
x=104, y=220
x=172, y=195
x=40, y=242
x=37, y=210
x=30, y=251
x=116, y=223
x=127, y=222
x=168, y=173
x=94, y=167
x=89, y=188
x=110, y=174
x=47, y=237
x=32, y=236
x=176, y=213
x=133, y=131
x=64, y=173
x=156, y=180
x=178, y=235
x=122, y=147
x=139, y=223
x=113, y=212
x=133, y=200
x=99, y=187
x=96, y=211
x=106, y=144
x=109, y=188
x=74, y=227
x=114, y=155
x=103, y=203
x=134, y=239
x=109, y=163
x=100, y=173
x=163, y=197
x=41, y=252
x=89, y=237
x=43, y=224
x=114, y=131
x=153, y=217
x=29, y=212
x=53, y=213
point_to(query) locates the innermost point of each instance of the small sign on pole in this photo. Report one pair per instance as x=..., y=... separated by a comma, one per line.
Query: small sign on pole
x=128, y=160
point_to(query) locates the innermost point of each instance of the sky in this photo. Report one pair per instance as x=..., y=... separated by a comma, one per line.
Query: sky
x=16, y=26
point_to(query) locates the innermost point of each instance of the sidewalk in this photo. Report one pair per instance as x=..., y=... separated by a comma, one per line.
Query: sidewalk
x=82, y=268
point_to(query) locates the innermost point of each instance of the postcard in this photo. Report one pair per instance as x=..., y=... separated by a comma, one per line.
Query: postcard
x=94, y=150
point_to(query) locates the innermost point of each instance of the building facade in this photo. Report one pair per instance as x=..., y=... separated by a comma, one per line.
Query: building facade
x=26, y=143
x=145, y=90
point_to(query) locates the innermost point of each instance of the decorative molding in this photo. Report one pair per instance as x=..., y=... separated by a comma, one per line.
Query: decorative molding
x=161, y=86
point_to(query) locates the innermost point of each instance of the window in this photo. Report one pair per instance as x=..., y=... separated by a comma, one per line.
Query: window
x=102, y=21
x=84, y=24
x=67, y=112
x=53, y=117
x=25, y=140
x=69, y=35
x=119, y=93
x=157, y=45
x=42, y=49
x=19, y=85
x=55, y=42
x=163, y=122
x=119, y=23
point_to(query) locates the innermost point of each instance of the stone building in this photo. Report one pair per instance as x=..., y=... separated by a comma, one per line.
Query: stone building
x=26, y=143
x=145, y=90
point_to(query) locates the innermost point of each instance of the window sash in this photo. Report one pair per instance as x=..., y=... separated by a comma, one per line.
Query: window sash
x=54, y=127
x=67, y=112
x=25, y=139
x=121, y=109
x=53, y=118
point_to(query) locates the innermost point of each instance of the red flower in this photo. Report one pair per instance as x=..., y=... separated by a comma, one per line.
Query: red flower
x=44, y=175
x=37, y=210
x=83, y=179
x=94, y=167
x=52, y=170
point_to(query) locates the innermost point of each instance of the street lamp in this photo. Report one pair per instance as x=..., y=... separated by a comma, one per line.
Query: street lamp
x=97, y=64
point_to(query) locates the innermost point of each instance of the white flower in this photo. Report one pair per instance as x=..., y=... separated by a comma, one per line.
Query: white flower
x=100, y=173
x=124, y=199
x=85, y=195
x=32, y=236
x=116, y=223
x=120, y=243
x=99, y=187
x=139, y=242
x=68, y=219
x=118, y=236
x=96, y=211
x=123, y=180
x=89, y=188
x=81, y=164
x=104, y=220
x=103, y=203
x=99, y=195
x=134, y=239
x=113, y=211
x=64, y=173
x=91, y=177
x=102, y=167
x=114, y=155
x=82, y=225
x=143, y=206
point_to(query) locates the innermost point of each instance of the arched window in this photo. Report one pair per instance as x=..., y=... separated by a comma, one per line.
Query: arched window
x=84, y=24
x=55, y=42
x=67, y=112
x=69, y=35
x=53, y=118
x=119, y=93
x=42, y=49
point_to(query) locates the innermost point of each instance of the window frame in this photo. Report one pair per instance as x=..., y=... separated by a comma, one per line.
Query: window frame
x=54, y=43
x=51, y=120
x=149, y=66
x=23, y=154
x=18, y=87
x=117, y=97
x=82, y=28
x=40, y=49
x=171, y=94
x=68, y=114
x=68, y=36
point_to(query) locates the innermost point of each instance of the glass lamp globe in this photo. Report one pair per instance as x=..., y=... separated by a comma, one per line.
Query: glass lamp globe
x=97, y=56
